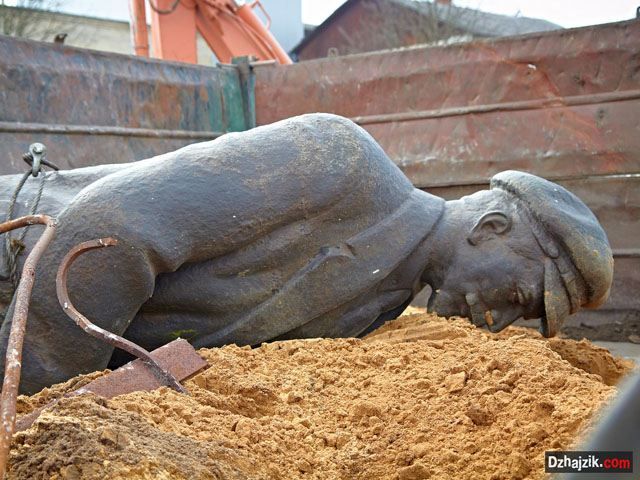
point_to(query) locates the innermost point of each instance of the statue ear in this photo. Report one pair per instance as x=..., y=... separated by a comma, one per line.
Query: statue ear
x=490, y=225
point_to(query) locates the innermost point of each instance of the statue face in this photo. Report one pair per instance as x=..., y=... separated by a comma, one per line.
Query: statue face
x=495, y=274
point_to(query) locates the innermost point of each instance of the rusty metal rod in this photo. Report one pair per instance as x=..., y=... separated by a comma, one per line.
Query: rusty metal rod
x=138, y=26
x=484, y=184
x=538, y=103
x=101, y=334
x=62, y=129
x=13, y=361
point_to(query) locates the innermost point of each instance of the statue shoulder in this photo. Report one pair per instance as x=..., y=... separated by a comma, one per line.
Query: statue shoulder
x=335, y=146
x=310, y=146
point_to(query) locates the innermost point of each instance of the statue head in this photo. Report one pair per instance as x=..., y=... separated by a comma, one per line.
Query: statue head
x=526, y=248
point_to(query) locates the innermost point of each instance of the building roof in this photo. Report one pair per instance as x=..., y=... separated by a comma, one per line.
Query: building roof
x=476, y=22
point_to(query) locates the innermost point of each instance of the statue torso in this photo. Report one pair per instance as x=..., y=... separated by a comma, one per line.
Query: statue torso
x=292, y=286
x=303, y=228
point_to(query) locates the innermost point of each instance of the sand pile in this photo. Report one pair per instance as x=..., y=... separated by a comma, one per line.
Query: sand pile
x=420, y=398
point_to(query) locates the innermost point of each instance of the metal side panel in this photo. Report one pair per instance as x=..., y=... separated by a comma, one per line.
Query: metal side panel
x=92, y=107
x=560, y=104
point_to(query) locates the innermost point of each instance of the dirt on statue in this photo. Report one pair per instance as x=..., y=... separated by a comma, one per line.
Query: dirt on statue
x=422, y=397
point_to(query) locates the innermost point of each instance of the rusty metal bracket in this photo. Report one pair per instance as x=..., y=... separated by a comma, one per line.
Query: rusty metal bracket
x=13, y=361
x=179, y=357
x=248, y=86
x=101, y=334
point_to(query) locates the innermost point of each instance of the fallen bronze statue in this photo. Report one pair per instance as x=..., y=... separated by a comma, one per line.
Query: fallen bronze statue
x=303, y=228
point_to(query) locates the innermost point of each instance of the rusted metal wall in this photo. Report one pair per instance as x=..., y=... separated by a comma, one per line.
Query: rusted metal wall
x=91, y=107
x=563, y=105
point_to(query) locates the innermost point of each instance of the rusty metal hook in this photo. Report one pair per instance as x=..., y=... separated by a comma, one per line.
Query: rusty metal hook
x=112, y=339
x=13, y=361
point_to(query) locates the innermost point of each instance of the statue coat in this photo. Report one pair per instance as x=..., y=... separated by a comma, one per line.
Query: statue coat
x=303, y=228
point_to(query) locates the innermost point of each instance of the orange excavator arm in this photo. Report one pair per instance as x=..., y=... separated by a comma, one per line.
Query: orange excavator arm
x=230, y=30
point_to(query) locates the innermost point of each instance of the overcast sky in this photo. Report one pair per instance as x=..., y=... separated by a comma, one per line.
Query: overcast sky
x=566, y=13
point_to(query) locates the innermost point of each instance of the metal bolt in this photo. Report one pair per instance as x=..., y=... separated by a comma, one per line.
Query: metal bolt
x=38, y=152
x=37, y=148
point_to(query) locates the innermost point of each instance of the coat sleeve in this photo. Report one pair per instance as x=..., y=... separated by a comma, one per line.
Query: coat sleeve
x=338, y=274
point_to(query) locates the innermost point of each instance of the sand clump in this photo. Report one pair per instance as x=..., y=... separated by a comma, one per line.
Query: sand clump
x=422, y=397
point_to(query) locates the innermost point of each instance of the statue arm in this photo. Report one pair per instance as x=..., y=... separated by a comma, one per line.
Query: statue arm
x=106, y=286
